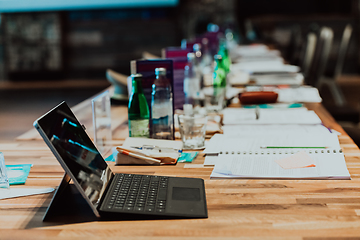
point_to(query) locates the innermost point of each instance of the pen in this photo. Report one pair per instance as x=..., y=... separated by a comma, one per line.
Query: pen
x=257, y=113
x=292, y=147
x=326, y=127
x=138, y=156
x=166, y=149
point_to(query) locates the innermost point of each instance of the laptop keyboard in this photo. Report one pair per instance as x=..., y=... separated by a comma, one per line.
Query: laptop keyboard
x=138, y=193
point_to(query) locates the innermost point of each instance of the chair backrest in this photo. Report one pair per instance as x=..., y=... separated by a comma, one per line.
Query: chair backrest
x=294, y=47
x=308, y=54
x=343, y=50
x=321, y=56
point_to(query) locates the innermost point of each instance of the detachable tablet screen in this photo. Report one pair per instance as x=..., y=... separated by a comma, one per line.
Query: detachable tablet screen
x=77, y=151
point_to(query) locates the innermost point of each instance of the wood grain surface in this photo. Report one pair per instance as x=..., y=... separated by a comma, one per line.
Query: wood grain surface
x=237, y=208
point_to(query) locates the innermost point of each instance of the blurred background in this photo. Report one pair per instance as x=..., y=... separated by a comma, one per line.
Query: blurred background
x=60, y=50
x=78, y=39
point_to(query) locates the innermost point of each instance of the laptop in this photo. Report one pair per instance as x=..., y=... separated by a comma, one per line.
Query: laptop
x=110, y=194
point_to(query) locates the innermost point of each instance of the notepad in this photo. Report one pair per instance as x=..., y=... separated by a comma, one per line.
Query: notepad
x=329, y=164
x=221, y=143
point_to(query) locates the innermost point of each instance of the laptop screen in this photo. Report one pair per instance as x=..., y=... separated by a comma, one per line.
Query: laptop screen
x=77, y=151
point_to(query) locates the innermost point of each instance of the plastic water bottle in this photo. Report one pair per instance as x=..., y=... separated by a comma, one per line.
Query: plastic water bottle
x=192, y=82
x=162, y=117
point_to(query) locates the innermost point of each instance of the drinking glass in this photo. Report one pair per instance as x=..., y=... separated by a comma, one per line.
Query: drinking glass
x=192, y=131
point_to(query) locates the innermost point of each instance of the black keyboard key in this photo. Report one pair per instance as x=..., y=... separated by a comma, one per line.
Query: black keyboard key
x=149, y=209
x=128, y=208
x=160, y=210
x=161, y=204
x=139, y=209
x=139, y=193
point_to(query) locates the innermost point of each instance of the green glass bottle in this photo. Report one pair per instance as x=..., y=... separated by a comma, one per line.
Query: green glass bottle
x=219, y=83
x=223, y=51
x=138, y=109
x=219, y=75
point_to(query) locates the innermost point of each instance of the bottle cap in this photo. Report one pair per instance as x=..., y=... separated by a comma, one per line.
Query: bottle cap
x=188, y=109
x=136, y=76
x=197, y=47
x=190, y=56
x=183, y=44
x=160, y=71
x=218, y=57
x=197, y=50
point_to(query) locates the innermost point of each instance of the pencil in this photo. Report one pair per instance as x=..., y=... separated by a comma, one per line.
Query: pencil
x=138, y=156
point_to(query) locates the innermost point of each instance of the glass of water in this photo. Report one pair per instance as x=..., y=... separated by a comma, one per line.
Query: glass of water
x=192, y=131
x=4, y=180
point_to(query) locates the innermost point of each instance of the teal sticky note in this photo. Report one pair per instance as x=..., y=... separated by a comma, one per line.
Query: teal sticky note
x=110, y=158
x=296, y=105
x=258, y=106
x=18, y=174
x=187, y=156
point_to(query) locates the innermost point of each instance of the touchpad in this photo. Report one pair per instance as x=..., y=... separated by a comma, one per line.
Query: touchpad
x=186, y=194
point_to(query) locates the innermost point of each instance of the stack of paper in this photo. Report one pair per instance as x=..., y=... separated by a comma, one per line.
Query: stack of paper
x=296, y=79
x=255, y=52
x=236, y=116
x=265, y=66
x=297, y=94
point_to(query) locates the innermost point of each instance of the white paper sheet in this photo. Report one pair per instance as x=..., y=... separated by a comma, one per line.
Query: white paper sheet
x=328, y=166
x=279, y=79
x=20, y=192
x=274, y=129
x=234, y=116
x=264, y=67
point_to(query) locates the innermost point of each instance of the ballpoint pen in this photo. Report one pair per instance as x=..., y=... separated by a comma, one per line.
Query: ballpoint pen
x=292, y=147
x=257, y=113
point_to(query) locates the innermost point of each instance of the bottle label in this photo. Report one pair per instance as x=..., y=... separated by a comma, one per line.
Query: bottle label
x=139, y=128
x=160, y=110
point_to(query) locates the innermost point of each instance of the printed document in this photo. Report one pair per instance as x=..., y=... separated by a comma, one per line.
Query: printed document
x=328, y=165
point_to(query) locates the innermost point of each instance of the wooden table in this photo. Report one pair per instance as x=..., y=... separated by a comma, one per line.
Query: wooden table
x=237, y=208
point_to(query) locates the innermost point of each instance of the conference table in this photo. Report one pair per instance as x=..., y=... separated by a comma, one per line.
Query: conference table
x=237, y=208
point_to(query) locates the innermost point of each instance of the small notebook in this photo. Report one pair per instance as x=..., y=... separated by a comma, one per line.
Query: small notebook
x=329, y=164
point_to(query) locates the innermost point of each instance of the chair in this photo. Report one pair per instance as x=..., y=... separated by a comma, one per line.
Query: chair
x=330, y=81
x=294, y=47
x=321, y=55
x=341, y=110
x=308, y=54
